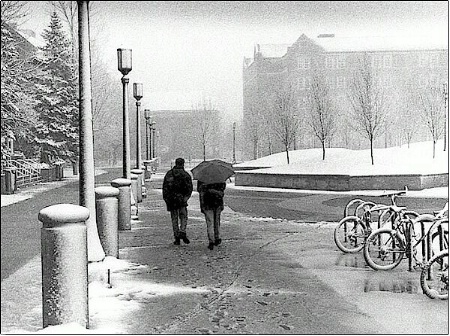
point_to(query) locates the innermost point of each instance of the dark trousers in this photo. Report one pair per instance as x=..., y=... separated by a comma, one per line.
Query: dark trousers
x=213, y=223
x=179, y=221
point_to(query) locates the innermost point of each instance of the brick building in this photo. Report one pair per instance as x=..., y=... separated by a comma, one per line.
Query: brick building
x=397, y=63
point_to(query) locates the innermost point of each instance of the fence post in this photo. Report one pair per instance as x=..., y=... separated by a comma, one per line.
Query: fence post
x=64, y=264
x=140, y=178
x=107, y=212
x=124, y=215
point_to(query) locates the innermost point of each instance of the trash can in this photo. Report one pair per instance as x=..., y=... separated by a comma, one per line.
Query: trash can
x=10, y=180
x=59, y=169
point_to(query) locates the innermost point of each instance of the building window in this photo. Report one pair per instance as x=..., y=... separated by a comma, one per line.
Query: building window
x=330, y=62
x=331, y=82
x=387, y=61
x=340, y=82
x=304, y=62
x=304, y=83
x=377, y=62
x=424, y=60
x=341, y=61
x=398, y=60
x=434, y=61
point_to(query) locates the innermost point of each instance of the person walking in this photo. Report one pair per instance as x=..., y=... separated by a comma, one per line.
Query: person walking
x=177, y=189
x=211, y=205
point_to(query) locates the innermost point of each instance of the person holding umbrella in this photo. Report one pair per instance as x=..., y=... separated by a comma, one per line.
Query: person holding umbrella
x=177, y=189
x=211, y=177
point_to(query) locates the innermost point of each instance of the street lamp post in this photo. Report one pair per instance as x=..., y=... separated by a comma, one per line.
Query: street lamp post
x=124, y=66
x=138, y=94
x=147, y=115
x=86, y=161
x=153, y=139
x=234, y=142
x=445, y=115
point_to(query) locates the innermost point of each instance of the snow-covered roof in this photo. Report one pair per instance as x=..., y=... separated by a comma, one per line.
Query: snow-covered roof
x=272, y=50
x=30, y=36
x=379, y=43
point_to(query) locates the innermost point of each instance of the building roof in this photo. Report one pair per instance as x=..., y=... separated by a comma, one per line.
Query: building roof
x=272, y=50
x=333, y=43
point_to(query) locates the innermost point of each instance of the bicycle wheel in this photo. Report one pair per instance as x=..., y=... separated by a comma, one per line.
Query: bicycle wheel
x=434, y=277
x=350, y=234
x=384, y=249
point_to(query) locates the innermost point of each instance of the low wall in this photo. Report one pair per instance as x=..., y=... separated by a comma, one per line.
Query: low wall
x=341, y=182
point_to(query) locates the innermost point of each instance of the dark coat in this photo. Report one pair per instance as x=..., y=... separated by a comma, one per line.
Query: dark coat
x=177, y=188
x=211, y=195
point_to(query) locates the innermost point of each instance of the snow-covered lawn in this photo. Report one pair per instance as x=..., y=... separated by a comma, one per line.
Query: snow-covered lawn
x=417, y=159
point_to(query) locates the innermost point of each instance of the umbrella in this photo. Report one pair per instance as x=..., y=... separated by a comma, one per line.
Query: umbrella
x=212, y=171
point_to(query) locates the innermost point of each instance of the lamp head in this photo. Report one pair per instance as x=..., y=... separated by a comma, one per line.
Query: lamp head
x=124, y=60
x=138, y=91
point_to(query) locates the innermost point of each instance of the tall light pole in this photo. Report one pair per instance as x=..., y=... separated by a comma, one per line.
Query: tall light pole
x=147, y=115
x=124, y=66
x=445, y=115
x=153, y=130
x=87, y=172
x=138, y=94
x=234, y=142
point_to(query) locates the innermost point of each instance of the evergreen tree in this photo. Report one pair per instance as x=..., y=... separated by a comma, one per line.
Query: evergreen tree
x=57, y=98
x=16, y=104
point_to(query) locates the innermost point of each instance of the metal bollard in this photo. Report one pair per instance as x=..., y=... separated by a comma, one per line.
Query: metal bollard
x=124, y=215
x=134, y=187
x=107, y=210
x=140, y=179
x=64, y=264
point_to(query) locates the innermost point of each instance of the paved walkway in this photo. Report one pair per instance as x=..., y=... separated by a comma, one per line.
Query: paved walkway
x=269, y=276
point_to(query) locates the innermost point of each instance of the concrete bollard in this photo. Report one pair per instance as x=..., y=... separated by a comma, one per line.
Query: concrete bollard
x=107, y=211
x=134, y=187
x=124, y=216
x=140, y=182
x=64, y=265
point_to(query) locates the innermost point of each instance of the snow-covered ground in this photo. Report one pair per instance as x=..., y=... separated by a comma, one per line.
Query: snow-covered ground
x=417, y=159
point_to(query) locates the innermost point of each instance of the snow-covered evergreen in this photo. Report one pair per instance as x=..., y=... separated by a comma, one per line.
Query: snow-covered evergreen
x=56, y=131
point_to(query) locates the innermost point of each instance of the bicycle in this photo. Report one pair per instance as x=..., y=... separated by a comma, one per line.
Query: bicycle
x=352, y=231
x=385, y=248
x=434, y=276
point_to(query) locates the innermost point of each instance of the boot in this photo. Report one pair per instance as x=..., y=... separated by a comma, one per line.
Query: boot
x=177, y=240
x=185, y=239
x=217, y=241
x=211, y=246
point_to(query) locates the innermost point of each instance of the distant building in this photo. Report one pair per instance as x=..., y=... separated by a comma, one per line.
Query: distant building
x=396, y=63
x=179, y=134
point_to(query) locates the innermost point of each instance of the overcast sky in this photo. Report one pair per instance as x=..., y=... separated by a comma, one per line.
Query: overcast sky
x=185, y=50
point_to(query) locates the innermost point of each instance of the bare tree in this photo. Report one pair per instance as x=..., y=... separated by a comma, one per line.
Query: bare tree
x=407, y=120
x=286, y=122
x=209, y=122
x=254, y=127
x=367, y=100
x=322, y=112
x=14, y=13
x=432, y=107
